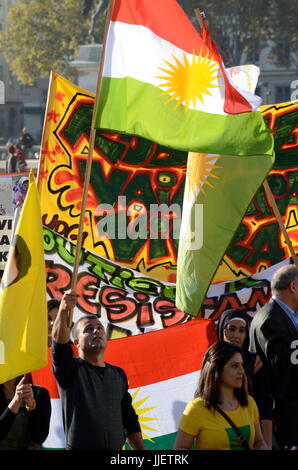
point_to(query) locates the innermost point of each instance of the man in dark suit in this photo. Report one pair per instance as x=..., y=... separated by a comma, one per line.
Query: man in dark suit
x=274, y=335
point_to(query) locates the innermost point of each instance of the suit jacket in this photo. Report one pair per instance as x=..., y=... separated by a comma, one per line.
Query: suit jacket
x=271, y=335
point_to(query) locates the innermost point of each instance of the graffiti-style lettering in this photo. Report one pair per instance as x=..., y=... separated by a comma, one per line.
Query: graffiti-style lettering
x=145, y=285
x=119, y=308
x=145, y=311
x=170, y=315
x=226, y=302
x=58, y=279
x=258, y=298
x=100, y=267
x=87, y=289
x=61, y=227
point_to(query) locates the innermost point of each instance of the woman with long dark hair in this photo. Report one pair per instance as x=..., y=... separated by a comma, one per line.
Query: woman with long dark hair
x=221, y=391
x=233, y=326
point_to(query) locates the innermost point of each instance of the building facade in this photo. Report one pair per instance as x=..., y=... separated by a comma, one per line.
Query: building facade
x=24, y=105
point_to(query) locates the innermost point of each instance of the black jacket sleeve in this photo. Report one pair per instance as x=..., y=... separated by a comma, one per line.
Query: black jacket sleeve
x=129, y=416
x=64, y=365
x=6, y=420
x=39, y=419
x=262, y=393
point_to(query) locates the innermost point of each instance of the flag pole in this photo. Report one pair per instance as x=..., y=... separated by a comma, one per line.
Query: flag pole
x=200, y=15
x=41, y=156
x=89, y=159
x=276, y=212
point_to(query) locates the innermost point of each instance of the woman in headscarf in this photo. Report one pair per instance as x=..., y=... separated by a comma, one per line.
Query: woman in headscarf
x=233, y=327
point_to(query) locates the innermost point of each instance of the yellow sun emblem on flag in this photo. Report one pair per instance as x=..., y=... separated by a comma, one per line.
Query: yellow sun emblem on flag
x=199, y=169
x=189, y=81
x=140, y=412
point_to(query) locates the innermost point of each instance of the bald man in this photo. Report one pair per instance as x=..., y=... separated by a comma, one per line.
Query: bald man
x=273, y=335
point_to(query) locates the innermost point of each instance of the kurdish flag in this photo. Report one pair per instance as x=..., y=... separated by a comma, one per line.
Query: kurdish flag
x=218, y=190
x=165, y=82
x=162, y=369
x=23, y=308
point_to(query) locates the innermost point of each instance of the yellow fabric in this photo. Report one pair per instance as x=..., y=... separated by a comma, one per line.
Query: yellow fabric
x=23, y=308
x=213, y=432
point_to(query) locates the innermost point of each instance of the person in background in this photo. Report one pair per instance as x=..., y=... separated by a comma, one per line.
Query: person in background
x=274, y=336
x=25, y=412
x=25, y=141
x=53, y=307
x=97, y=407
x=16, y=162
x=233, y=326
x=11, y=163
x=21, y=160
x=19, y=191
x=221, y=388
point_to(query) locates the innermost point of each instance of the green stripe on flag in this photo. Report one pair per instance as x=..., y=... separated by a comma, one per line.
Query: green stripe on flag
x=125, y=105
x=224, y=205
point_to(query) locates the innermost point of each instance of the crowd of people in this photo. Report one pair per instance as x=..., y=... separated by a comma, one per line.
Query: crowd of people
x=246, y=398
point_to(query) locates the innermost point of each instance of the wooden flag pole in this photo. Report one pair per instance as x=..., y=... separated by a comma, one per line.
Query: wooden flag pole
x=89, y=159
x=199, y=15
x=41, y=156
x=276, y=212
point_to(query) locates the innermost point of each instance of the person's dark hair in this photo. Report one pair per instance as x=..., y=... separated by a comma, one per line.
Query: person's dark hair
x=214, y=361
x=283, y=277
x=229, y=315
x=11, y=149
x=74, y=329
x=53, y=303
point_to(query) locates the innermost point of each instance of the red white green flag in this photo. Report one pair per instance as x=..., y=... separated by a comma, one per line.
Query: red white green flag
x=218, y=191
x=165, y=82
x=162, y=369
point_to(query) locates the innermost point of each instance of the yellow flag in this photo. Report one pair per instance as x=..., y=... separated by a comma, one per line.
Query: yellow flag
x=23, y=308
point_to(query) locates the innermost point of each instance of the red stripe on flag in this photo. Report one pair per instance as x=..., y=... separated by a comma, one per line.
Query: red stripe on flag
x=165, y=18
x=161, y=355
x=151, y=357
x=234, y=103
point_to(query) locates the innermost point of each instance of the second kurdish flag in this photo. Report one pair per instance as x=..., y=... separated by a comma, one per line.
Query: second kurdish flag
x=165, y=82
x=162, y=368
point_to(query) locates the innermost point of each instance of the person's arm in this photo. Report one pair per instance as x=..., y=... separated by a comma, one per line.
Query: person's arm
x=39, y=417
x=8, y=416
x=131, y=423
x=130, y=418
x=136, y=441
x=61, y=329
x=259, y=442
x=6, y=421
x=275, y=344
x=263, y=397
x=267, y=429
x=183, y=441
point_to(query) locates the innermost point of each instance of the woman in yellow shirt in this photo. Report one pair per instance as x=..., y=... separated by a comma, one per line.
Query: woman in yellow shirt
x=221, y=384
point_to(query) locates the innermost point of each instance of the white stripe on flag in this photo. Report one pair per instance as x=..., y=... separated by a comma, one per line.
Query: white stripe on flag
x=167, y=398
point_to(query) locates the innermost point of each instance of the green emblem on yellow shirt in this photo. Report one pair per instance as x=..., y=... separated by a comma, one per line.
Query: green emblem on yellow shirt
x=234, y=441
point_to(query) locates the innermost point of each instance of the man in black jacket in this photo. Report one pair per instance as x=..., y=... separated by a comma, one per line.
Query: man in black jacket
x=97, y=407
x=274, y=335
